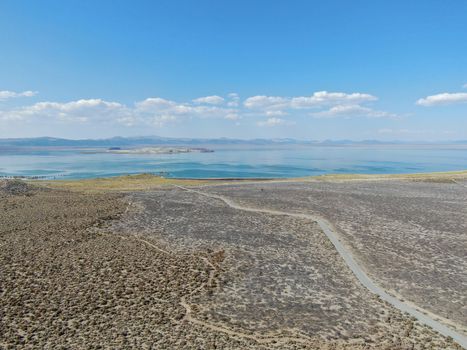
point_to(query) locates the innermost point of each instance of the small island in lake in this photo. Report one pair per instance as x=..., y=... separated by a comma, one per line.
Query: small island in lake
x=151, y=150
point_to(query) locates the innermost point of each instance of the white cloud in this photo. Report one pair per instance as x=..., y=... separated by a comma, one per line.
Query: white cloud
x=265, y=102
x=464, y=86
x=157, y=105
x=77, y=105
x=156, y=111
x=7, y=116
x=338, y=104
x=5, y=94
x=324, y=98
x=80, y=111
x=154, y=103
x=211, y=112
x=158, y=120
x=234, y=99
x=232, y=116
x=352, y=111
x=212, y=100
x=161, y=120
x=270, y=122
x=277, y=113
x=445, y=98
x=317, y=99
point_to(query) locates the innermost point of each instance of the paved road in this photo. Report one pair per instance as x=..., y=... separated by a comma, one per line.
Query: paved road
x=350, y=261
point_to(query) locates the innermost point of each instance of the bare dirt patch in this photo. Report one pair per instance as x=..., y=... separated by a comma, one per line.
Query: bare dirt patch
x=411, y=236
x=175, y=270
x=280, y=277
x=67, y=283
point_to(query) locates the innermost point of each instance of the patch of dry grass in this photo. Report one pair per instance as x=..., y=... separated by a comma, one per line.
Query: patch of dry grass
x=447, y=176
x=144, y=182
x=120, y=183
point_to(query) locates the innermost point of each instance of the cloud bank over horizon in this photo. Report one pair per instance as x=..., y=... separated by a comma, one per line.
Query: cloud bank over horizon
x=254, y=112
x=157, y=111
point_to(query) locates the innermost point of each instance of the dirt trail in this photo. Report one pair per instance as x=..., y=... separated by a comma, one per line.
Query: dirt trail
x=351, y=263
x=459, y=183
x=260, y=339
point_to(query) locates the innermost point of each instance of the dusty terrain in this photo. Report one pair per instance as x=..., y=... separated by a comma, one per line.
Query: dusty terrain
x=411, y=236
x=169, y=269
x=66, y=283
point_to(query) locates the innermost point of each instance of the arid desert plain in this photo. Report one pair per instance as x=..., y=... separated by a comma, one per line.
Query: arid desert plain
x=141, y=262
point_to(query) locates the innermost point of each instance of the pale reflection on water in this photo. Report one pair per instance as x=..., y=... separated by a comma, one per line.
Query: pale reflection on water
x=236, y=162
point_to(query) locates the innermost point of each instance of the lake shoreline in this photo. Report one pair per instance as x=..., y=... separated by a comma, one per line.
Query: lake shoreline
x=233, y=163
x=142, y=182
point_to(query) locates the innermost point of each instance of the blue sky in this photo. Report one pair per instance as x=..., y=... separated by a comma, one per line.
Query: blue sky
x=303, y=69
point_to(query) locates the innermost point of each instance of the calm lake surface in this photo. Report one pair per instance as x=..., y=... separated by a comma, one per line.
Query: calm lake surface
x=236, y=162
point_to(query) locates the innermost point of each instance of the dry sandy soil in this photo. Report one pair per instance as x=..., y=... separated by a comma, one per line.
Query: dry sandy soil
x=68, y=283
x=169, y=269
x=410, y=236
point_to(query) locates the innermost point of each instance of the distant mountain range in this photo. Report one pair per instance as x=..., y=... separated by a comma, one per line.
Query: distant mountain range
x=156, y=140
x=137, y=141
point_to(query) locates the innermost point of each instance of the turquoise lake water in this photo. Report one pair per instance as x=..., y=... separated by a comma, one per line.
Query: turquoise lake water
x=236, y=162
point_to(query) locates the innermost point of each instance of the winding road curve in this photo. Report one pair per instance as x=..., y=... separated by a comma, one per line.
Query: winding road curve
x=349, y=260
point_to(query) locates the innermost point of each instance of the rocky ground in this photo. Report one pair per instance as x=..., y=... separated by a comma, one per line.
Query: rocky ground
x=280, y=275
x=172, y=270
x=411, y=236
x=65, y=283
